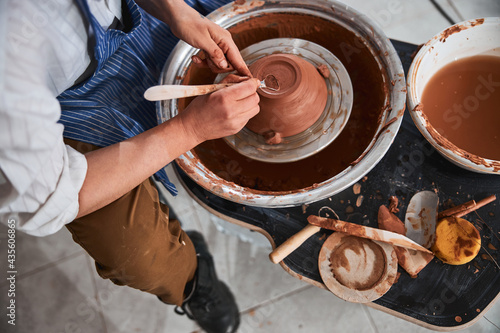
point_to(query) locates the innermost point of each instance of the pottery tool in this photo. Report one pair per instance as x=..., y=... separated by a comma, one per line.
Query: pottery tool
x=421, y=217
x=164, y=92
x=366, y=232
x=457, y=241
x=316, y=223
x=466, y=208
x=357, y=269
x=292, y=243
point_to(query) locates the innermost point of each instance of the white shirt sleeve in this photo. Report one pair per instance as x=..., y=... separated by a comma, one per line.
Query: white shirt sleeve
x=40, y=176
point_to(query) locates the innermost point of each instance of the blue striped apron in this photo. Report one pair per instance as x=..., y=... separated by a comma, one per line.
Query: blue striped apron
x=109, y=107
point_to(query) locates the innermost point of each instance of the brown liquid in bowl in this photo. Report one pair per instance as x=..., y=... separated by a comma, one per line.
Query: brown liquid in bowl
x=368, y=105
x=462, y=102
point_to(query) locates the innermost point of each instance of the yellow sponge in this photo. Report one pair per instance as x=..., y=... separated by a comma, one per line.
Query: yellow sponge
x=457, y=241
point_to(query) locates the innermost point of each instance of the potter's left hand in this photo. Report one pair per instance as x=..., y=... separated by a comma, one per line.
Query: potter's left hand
x=222, y=55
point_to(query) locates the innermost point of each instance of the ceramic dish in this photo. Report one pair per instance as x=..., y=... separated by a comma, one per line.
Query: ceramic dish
x=466, y=39
x=357, y=269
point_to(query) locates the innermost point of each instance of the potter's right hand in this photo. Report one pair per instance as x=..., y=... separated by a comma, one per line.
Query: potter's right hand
x=222, y=113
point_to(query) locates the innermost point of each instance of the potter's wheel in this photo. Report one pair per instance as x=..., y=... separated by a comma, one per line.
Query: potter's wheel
x=376, y=73
x=324, y=130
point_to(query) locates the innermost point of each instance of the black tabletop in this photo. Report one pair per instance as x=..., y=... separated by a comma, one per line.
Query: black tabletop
x=442, y=295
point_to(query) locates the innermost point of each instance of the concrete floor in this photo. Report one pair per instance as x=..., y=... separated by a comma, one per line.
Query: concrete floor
x=57, y=289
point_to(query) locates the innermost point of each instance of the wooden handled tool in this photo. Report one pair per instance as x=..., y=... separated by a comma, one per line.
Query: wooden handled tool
x=292, y=243
x=366, y=232
x=316, y=223
x=163, y=92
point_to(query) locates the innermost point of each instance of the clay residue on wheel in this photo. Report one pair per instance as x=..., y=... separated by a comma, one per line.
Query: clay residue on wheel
x=243, y=6
x=324, y=71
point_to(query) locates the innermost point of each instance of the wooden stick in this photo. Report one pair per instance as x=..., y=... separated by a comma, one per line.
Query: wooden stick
x=292, y=243
x=457, y=209
x=467, y=207
x=164, y=92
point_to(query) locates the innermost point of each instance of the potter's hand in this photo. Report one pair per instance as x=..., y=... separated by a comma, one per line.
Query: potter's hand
x=198, y=31
x=221, y=54
x=222, y=113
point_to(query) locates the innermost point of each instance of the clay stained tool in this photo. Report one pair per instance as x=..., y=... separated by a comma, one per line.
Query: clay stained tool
x=165, y=92
x=316, y=223
x=366, y=232
x=421, y=218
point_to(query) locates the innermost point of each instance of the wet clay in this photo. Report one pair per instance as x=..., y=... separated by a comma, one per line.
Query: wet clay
x=296, y=105
x=389, y=221
x=368, y=105
x=461, y=102
x=410, y=260
x=457, y=28
x=358, y=263
x=324, y=71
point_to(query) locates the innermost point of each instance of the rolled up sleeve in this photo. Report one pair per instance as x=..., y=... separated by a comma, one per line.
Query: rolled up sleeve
x=40, y=176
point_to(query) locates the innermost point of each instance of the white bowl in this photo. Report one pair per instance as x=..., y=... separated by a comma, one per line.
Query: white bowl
x=462, y=40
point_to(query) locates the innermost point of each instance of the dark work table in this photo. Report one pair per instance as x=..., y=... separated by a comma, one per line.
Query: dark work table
x=442, y=297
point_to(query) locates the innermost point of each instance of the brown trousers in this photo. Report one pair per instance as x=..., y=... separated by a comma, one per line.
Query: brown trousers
x=134, y=243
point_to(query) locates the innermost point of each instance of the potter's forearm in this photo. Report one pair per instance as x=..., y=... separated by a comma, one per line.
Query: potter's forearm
x=117, y=169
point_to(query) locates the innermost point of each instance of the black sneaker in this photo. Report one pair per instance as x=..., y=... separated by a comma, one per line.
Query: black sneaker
x=211, y=304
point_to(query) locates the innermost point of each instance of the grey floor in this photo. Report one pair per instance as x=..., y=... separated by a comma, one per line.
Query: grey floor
x=57, y=289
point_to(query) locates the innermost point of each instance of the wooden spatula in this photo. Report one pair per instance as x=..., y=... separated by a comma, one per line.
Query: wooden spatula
x=164, y=92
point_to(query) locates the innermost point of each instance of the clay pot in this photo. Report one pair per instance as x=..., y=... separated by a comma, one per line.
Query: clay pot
x=298, y=103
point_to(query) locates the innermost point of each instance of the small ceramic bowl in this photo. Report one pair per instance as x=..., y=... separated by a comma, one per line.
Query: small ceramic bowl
x=290, y=109
x=462, y=40
x=315, y=135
